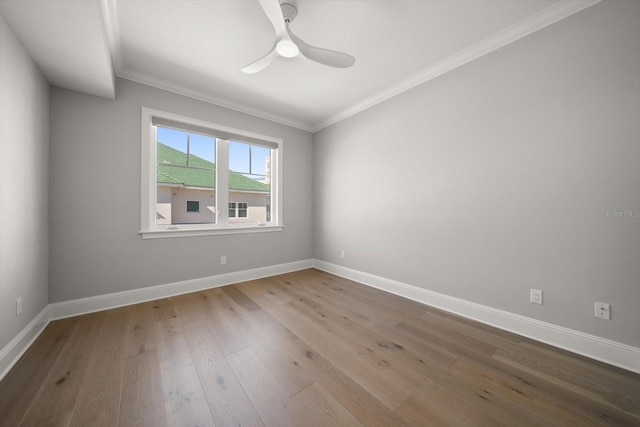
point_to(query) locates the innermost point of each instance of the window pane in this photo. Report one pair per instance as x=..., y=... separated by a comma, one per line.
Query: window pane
x=239, y=157
x=242, y=210
x=259, y=156
x=193, y=206
x=202, y=147
x=175, y=142
x=185, y=177
x=250, y=182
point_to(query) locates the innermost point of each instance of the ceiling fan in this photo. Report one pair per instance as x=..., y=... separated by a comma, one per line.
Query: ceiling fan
x=287, y=45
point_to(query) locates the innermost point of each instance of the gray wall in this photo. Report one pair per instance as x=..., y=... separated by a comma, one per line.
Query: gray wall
x=493, y=178
x=24, y=169
x=95, y=198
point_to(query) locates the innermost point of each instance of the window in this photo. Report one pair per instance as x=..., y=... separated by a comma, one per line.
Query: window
x=240, y=210
x=193, y=206
x=202, y=165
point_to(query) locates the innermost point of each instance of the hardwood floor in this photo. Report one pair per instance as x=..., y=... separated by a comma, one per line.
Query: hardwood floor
x=303, y=349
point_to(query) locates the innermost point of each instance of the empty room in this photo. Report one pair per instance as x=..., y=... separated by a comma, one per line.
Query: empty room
x=319, y=213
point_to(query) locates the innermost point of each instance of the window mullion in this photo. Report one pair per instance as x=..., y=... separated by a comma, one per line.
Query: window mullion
x=222, y=181
x=152, y=178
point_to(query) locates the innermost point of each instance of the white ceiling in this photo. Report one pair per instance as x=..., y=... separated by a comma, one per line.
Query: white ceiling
x=197, y=48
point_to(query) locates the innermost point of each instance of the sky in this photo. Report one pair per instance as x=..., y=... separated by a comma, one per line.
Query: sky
x=204, y=147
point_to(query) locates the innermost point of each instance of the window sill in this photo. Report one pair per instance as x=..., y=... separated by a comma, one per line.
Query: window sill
x=195, y=232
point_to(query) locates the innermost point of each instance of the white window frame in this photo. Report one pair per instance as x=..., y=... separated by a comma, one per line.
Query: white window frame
x=148, y=227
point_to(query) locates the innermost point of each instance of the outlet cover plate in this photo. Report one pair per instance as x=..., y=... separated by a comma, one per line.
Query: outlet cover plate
x=535, y=296
x=603, y=310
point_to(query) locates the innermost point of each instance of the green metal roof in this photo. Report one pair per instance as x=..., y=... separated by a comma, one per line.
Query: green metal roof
x=173, y=170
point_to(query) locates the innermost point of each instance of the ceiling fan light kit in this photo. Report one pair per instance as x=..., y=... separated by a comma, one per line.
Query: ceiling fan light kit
x=288, y=45
x=287, y=49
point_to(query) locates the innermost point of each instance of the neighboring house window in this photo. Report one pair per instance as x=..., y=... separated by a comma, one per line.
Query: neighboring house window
x=240, y=210
x=193, y=206
x=204, y=165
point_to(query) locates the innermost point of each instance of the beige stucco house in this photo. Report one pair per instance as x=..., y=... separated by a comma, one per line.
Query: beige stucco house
x=186, y=191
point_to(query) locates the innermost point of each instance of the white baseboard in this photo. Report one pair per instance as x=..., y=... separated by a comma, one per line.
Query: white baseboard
x=607, y=351
x=12, y=352
x=77, y=307
x=604, y=350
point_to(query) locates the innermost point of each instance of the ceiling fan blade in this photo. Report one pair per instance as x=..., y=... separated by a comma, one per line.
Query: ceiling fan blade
x=323, y=56
x=261, y=63
x=273, y=11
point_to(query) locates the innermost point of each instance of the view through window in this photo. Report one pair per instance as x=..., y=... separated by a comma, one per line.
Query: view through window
x=186, y=179
x=201, y=178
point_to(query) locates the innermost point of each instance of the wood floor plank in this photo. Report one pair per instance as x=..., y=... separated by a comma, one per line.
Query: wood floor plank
x=141, y=333
x=533, y=391
x=374, y=339
x=142, y=402
x=425, y=351
x=372, y=378
x=277, y=295
x=228, y=403
x=435, y=405
x=316, y=407
x=388, y=358
x=377, y=298
x=62, y=385
x=473, y=341
x=449, y=324
x=184, y=400
x=304, y=348
x=263, y=390
x=361, y=404
x=99, y=400
x=226, y=336
x=19, y=388
x=448, y=343
x=514, y=392
x=501, y=409
x=186, y=306
x=396, y=337
x=607, y=375
x=615, y=397
x=240, y=298
x=291, y=377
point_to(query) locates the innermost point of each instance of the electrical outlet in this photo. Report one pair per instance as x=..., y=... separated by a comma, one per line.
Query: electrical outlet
x=18, y=306
x=223, y=259
x=342, y=254
x=535, y=296
x=603, y=310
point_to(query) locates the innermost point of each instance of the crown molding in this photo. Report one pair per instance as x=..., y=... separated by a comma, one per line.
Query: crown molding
x=542, y=19
x=201, y=96
x=112, y=30
x=546, y=17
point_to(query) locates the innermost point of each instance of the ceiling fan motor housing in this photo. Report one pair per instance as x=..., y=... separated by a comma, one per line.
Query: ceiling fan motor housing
x=289, y=11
